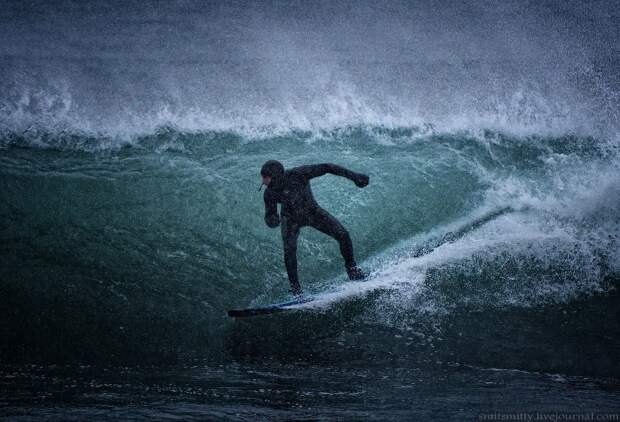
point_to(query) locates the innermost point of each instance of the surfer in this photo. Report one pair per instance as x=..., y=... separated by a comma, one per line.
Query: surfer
x=291, y=188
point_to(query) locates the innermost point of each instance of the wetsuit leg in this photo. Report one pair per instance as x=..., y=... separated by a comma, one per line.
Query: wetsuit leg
x=290, y=231
x=327, y=223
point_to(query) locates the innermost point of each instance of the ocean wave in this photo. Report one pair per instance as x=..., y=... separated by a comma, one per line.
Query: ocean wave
x=153, y=240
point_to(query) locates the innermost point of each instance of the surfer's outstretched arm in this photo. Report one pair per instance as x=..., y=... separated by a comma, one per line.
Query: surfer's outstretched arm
x=271, y=209
x=317, y=170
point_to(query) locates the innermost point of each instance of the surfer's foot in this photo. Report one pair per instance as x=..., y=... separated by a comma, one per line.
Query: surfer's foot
x=296, y=290
x=355, y=273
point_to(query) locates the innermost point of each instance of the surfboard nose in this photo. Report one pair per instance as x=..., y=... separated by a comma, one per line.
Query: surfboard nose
x=269, y=309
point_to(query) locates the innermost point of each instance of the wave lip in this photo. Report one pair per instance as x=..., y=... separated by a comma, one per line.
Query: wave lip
x=171, y=137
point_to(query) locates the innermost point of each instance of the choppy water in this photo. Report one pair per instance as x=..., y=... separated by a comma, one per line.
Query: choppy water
x=130, y=144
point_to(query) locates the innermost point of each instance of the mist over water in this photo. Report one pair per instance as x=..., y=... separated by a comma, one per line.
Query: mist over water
x=120, y=70
x=131, y=137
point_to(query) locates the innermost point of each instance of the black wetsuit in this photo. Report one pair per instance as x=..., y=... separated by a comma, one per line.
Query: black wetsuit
x=299, y=208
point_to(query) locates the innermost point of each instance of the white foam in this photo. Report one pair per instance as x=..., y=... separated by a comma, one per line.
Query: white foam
x=519, y=233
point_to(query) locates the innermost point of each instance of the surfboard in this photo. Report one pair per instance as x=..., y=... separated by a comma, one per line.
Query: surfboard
x=270, y=308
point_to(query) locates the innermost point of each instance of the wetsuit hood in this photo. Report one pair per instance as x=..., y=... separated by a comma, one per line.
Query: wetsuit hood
x=272, y=168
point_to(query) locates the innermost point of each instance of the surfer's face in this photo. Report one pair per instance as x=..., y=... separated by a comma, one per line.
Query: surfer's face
x=266, y=180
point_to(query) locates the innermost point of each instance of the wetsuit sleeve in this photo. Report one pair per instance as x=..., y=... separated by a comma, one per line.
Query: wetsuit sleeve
x=271, y=210
x=316, y=170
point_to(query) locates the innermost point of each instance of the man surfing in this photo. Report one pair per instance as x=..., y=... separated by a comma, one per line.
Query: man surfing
x=291, y=188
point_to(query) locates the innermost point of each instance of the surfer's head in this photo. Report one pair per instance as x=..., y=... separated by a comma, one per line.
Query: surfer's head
x=270, y=170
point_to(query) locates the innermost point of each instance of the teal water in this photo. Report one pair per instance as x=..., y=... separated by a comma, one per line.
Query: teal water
x=152, y=242
x=486, y=250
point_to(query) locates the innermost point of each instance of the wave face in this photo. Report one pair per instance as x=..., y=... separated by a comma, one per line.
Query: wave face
x=130, y=144
x=139, y=251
